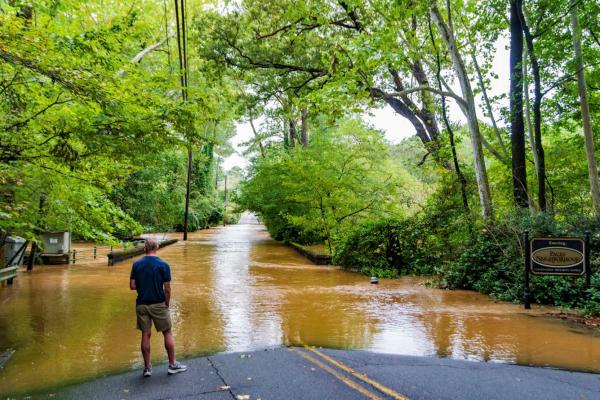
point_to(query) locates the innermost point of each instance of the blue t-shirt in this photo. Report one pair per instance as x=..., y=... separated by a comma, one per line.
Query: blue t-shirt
x=149, y=273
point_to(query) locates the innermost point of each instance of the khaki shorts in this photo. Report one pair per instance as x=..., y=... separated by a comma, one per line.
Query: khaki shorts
x=147, y=313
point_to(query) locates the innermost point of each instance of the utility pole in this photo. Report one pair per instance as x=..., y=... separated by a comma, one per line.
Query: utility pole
x=217, y=175
x=225, y=200
x=187, y=194
x=183, y=76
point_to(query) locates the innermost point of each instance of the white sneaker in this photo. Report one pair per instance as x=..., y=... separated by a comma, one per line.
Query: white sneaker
x=176, y=368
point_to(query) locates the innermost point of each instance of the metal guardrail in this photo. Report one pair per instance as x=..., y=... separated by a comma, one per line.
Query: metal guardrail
x=93, y=256
x=8, y=274
x=93, y=253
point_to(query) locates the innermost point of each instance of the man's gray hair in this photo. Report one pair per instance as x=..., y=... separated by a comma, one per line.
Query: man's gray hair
x=150, y=244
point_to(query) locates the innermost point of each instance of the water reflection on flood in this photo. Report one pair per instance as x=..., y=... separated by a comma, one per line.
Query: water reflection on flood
x=235, y=289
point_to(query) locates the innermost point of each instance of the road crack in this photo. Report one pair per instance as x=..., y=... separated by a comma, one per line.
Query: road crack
x=212, y=364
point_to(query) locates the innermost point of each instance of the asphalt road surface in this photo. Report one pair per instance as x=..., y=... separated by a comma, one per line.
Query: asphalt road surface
x=313, y=373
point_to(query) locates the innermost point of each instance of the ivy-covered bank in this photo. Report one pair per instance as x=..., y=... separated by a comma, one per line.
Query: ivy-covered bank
x=488, y=259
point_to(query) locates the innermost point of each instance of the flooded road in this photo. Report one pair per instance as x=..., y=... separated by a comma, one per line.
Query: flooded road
x=235, y=289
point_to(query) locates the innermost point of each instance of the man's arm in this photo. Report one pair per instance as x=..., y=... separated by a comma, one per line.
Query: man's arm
x=167, y=286
x=132, y=278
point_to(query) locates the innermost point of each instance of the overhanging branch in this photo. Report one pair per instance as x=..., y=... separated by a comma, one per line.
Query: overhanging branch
x=423, y=88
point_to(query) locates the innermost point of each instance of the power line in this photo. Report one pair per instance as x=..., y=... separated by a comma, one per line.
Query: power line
x=167, y=36
x=184, y=31
x=183, y=77
x=181, y=48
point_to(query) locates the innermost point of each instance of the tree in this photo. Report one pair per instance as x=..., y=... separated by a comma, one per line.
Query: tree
x=585, y=113
x=85, y=95
x=537, y=105
x=311, y=194
x=470, y=112
x=519, y=172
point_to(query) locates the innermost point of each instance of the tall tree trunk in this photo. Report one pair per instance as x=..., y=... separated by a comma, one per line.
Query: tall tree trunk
x=537, y=107
x=304, y=128
x=471, y=114
x=517, y=137
x=585, y=114
x=527, y=107
x=292, y=126
x=426, y=113
x=459, y=175
x=286, y=136
x=529, y=126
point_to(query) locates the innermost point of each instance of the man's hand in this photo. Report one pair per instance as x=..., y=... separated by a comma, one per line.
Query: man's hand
x=132, y=284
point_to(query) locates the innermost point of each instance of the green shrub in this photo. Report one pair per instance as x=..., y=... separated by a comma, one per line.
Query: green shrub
x=208, y=210
x=193, y=222
x=384, y=245
x=490, y=260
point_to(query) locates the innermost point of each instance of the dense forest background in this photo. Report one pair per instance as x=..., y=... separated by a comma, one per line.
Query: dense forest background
x=96, y=134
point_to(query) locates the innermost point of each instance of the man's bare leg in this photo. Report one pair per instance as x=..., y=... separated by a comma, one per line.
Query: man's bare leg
x=170, y=346
x=146, y=348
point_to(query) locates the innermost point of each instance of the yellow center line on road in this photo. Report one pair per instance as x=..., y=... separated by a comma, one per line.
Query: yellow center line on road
x=337, y=375
x=383, y=389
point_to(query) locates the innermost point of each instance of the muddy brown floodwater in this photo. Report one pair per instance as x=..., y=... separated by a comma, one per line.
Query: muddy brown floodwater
x=235, y=289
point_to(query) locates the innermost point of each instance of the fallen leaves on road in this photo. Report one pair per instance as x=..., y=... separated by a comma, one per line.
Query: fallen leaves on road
x=225, y=387
x=243, y=397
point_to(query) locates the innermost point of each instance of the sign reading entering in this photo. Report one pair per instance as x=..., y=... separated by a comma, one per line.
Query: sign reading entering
x=557, y=256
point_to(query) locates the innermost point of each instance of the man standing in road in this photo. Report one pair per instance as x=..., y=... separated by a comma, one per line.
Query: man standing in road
x=151, y=277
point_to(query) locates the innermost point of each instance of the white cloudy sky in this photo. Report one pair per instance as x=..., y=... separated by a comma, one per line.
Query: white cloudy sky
x=393, y=125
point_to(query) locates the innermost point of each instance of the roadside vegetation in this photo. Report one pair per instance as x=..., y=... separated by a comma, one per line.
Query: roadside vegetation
x=453, y=201
x=94, y=134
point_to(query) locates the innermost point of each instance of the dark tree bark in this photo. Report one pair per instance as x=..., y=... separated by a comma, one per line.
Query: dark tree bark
x=404, y=110
x=519, y=170
x=293, y=135
x=304, y=128
x=537, y=105
x=426, y=112
x=286, y=137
